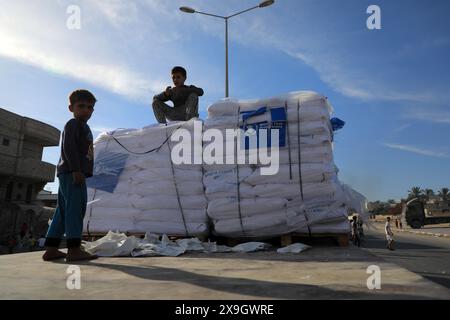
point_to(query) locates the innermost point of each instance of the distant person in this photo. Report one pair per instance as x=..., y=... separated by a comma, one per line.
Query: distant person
x=401, y=224
x=360, y=228
x=75, y=165
x=396, y=223
x=184, y=98
x=355, y=233
x=389, y=234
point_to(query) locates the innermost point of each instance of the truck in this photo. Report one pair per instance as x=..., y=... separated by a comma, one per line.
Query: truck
x=420, y=212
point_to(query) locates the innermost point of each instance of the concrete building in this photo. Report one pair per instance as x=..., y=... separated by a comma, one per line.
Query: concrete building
x=23, y=174
x=47, y=199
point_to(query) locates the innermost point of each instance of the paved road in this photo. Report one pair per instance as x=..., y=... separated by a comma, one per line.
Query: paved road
x=425, y=255
x=442, y=229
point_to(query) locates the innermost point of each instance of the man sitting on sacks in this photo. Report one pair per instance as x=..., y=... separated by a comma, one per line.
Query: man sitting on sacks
x=184, y=98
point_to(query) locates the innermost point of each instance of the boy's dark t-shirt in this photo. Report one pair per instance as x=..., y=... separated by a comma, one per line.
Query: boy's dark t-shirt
x=179, y=95
x=77, y=152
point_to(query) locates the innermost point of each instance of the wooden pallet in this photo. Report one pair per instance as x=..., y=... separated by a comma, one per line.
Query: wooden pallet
x=341, y=239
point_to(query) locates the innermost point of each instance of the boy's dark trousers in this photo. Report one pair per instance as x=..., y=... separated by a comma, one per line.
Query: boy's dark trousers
x=69, y=214
x=184, y=113
x=356, y=240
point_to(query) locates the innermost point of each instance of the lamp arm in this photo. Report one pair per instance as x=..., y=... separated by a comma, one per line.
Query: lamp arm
x=240, y=12
x=210, y=14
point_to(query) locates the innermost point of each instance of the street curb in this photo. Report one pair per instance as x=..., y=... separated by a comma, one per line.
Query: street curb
x=439, y=235
x=423, y=233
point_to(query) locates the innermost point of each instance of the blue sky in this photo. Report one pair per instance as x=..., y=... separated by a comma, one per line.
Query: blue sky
x=391, y=86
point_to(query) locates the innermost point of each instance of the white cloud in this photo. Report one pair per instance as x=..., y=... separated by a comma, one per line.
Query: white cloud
x=417, y=150
x=403, y=127
x=352, y=81
x=102, y=129
x=428, y=115
x=336, y=57
x=413, y=48
x=127, y=46
x=124, y=47
x=38, y=36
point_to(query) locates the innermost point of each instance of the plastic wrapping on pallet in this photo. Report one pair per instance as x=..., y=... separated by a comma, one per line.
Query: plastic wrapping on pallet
x=303, y=193
x=137, y=188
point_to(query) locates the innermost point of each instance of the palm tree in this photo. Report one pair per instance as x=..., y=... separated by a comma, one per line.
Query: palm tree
x=443, y=193
x=415, y=192
x=429, y=193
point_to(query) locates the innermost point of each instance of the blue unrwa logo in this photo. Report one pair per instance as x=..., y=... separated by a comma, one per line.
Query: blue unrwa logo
x=277, y=120
x=108, y=167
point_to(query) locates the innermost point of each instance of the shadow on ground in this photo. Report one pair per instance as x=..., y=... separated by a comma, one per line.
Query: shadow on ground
x=250, y=287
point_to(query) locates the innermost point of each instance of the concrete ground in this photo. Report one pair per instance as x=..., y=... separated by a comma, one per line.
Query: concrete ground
x=426, y=255
x=320, y=273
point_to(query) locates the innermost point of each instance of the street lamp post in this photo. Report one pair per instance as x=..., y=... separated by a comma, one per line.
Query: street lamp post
x=261, y=5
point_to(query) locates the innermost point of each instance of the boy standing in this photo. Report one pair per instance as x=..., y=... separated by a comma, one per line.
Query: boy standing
x=389, y=234
x=75, y=165
x=184, y=98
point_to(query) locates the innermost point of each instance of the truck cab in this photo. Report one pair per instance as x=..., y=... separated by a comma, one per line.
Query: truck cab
x=420, y=212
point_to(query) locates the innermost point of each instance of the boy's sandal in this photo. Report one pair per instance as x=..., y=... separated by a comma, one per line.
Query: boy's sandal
x=56, y=257
x=84, y=258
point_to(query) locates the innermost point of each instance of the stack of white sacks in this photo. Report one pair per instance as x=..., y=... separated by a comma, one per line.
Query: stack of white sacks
x=305, y=198
x=137, y=188
x=150, y=193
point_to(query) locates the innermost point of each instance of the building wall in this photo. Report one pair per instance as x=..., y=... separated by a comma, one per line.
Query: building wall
x=21, y=146
x=10, y=138
x=20, y=187
x=31, y=150
x=23, y=172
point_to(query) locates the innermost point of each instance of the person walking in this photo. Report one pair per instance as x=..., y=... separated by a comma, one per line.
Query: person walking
x=360, y=229
x=355, y=233
x=389, y=234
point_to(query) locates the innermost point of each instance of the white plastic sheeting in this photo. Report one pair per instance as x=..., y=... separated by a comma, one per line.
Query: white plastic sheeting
x=137, y=188
x=120, y=245
x=355, y=200
x=294, y=248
